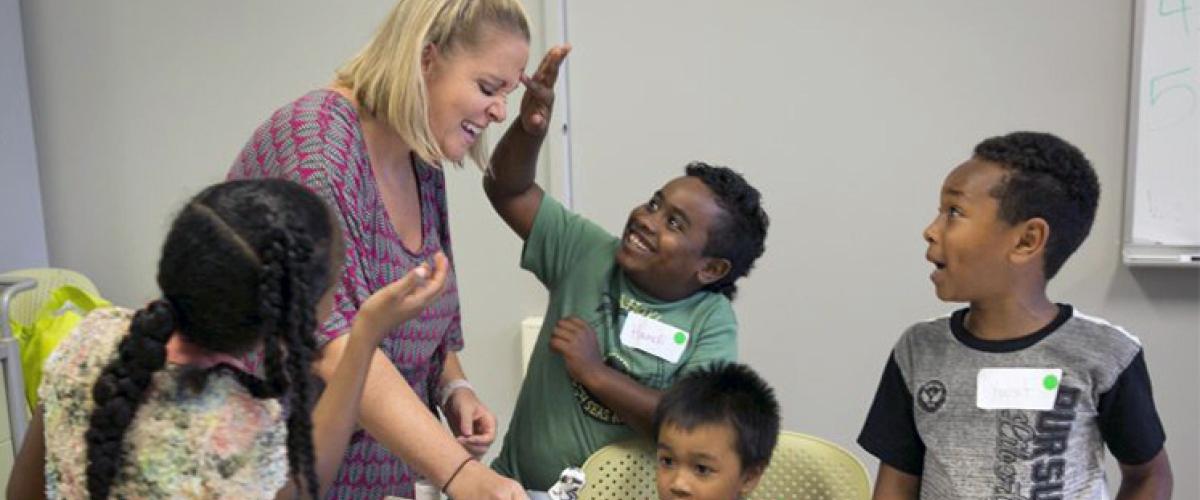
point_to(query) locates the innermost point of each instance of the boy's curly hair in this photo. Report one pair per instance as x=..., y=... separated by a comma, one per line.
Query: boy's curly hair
x=1047, y=178
x=741, y=235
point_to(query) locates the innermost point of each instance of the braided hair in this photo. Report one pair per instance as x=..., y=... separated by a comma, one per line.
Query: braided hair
x=244, y=264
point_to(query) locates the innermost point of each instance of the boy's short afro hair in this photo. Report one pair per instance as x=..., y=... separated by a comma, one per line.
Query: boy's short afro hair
x=1047, y=178
x=741, y=236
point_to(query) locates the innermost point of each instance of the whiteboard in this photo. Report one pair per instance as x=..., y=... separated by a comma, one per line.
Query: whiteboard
x=1163, y=179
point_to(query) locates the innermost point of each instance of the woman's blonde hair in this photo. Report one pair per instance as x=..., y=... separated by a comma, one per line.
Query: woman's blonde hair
x=386, y=75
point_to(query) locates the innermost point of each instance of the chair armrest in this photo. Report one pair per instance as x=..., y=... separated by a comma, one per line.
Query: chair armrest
x=9, y=288
x=10, y=358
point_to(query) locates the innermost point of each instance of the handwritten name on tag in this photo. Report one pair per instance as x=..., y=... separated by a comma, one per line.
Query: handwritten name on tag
x=654, y=337
x=1017, y=388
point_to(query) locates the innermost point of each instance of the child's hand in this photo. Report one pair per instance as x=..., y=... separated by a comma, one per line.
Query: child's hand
x=403, y=299
x=576, y=342
x=539, y=91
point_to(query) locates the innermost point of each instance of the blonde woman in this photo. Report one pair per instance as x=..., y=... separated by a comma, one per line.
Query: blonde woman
x=417, y=97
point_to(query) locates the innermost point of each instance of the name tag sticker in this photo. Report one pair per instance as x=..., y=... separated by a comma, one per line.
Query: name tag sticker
x=654, y=337
x=1017, y=388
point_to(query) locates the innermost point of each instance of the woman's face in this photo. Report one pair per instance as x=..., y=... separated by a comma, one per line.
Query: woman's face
x=468, y=88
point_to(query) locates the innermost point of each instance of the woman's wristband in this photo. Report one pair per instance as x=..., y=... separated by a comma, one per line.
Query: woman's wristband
x=445, y=391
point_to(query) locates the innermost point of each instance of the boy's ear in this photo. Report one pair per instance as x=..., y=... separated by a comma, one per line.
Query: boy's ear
x=1031, y=240
x=750, y=479
x=713, y=270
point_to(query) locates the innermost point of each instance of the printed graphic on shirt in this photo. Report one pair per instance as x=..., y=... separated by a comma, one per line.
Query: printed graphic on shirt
x=1036, y=441
x=931, y=396
x=631, y=304
x=608, y=316
x=590, y=404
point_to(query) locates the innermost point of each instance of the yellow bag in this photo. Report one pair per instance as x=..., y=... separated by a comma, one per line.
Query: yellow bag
x=57, y=318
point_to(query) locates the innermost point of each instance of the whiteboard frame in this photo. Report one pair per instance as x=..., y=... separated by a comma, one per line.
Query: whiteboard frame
x=1133, y=253
x=556, y=156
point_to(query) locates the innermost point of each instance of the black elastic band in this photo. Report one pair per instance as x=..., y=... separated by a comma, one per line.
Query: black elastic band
x=456, y=471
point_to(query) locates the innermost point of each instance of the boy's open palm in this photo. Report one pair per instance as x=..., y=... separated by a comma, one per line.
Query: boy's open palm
x=538, y=101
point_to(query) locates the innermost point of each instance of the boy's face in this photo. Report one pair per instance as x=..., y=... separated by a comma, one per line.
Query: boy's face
x=969, y=245
x=662, y=247
x=701, y=464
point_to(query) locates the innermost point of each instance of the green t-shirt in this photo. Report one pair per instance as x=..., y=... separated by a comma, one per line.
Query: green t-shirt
x=557, y=423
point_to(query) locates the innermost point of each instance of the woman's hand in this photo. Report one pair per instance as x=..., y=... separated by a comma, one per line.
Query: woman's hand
x=403, y=299
x=538, y=101
x=478, y=481
x=472, y=423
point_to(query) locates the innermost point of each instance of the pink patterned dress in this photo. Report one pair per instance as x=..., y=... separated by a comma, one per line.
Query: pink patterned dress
x=317, y=141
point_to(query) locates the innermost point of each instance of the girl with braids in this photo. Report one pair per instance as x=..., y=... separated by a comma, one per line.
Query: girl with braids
x=417, y=97
x=157, y=404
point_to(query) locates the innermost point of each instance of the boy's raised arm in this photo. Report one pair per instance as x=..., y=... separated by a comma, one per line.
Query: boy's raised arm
x=510, y=184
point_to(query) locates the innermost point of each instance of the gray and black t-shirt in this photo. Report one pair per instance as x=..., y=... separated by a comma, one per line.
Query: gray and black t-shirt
x=925, y=419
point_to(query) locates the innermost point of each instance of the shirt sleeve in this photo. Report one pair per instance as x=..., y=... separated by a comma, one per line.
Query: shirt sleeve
x=323, y=165
x=557, y=240
x=890, y=432
x=351, y=289
x=714, y=342
x=1128, y=420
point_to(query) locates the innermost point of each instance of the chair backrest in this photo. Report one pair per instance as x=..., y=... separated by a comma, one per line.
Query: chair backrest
x=25, y=306
x=808, y=467
x=802, y=467
x=621, y=471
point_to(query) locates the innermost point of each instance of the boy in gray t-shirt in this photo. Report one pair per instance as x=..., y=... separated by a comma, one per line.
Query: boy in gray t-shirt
x=1014, y=397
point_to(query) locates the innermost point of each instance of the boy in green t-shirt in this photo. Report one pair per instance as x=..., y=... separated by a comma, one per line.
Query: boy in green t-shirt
x=627, y=316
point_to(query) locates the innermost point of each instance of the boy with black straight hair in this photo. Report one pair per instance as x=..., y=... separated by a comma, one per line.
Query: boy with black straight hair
x=715, y=430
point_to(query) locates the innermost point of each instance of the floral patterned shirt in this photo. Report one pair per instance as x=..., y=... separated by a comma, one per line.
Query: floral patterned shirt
x=218, y=443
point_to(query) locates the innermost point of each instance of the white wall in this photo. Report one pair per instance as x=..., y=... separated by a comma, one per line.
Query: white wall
x=22, y=230
x=847, y=115
x=139, y=104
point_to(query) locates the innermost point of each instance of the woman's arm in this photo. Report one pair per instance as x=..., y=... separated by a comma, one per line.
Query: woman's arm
x=352, y=366
x=335, y=415
x=391, y=412
x=363, y=386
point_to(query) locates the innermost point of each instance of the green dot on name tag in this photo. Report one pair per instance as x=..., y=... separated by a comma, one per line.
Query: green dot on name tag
x=1050, y=382
x=680, y=338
